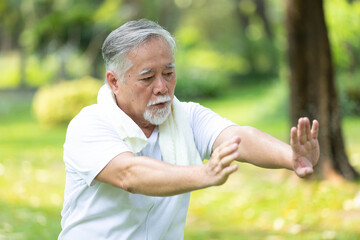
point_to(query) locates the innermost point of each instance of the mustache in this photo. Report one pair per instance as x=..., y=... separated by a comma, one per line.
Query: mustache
x=160, y=99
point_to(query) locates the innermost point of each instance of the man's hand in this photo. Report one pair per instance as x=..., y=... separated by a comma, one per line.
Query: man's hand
x=219, y=167
x=305, y=147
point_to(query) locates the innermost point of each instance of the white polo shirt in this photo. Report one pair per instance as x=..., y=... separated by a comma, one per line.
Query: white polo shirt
x=96, y=210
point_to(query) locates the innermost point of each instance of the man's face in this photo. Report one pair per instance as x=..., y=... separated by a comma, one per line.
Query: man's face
x=148, y=90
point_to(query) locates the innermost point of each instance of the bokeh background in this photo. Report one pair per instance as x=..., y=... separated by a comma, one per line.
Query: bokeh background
x=231, y=56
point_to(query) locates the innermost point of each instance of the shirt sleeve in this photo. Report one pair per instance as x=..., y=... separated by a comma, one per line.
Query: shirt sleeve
x=90, y=144
x=206, y=126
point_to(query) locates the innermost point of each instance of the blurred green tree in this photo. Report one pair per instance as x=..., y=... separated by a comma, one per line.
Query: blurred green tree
x=244, y=39
x=166, y=13
x=259, y=37
x=12, y=24
x=65, y=26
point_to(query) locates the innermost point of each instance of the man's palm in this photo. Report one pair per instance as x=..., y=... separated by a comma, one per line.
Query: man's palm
x=305, y=147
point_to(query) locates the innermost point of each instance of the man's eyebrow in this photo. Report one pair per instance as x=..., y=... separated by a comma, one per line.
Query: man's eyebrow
x=170, y=65
x=145, y=71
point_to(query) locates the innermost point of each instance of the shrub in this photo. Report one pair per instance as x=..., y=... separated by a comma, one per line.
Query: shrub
x=59, y=103
x=196, y=83
x=204, y=72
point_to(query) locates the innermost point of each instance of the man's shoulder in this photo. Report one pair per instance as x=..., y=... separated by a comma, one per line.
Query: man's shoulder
x=189, y=106
x=91, y=111
x=89, y=116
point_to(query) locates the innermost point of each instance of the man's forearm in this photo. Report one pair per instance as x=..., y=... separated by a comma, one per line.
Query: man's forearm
x=152, y=177
x=259, y=148
x=155, y=178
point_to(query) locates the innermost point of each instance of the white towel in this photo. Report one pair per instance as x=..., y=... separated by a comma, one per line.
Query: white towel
x=176, y=138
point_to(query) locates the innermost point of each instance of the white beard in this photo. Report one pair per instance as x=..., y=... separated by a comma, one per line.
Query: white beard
x=157, y=116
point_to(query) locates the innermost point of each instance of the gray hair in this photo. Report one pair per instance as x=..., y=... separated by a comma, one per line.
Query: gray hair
x=127, y=37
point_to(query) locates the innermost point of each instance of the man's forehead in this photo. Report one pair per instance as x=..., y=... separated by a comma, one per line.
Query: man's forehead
x=147, y=70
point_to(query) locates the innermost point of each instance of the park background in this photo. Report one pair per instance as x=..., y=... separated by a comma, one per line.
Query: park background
x=231, y=57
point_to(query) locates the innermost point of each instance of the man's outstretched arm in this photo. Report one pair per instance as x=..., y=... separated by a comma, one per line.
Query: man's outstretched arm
x=263, y=150
x=152, y=177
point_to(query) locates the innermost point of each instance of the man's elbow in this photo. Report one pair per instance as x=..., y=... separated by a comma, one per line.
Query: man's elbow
x=246, y=133
x=118, y=174
x=123, y=178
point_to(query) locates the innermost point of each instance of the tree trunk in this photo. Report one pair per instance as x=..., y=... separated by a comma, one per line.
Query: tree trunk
x=313, y=91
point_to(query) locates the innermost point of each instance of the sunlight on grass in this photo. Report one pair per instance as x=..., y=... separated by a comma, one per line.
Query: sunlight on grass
x=257, y=203
x=31, y=173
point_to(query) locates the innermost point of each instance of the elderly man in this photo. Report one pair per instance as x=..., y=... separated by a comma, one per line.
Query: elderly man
x=133, y=158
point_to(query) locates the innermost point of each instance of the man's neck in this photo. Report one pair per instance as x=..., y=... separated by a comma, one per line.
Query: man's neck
x=148, y=130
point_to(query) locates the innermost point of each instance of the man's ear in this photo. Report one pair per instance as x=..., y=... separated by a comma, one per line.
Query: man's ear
x=112, y=80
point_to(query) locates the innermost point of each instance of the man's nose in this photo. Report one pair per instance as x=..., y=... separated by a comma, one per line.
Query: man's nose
x=160, y=86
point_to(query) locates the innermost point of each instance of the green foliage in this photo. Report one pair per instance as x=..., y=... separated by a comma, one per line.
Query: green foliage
x=9, y=68
x=235, y=30
x=39, y=71
x=197, y=83
x=343, y=21
x=62, y=38
x=199, y=75
x=349, y=85
x=201, y=70
x=77, y=65
x=59, y=103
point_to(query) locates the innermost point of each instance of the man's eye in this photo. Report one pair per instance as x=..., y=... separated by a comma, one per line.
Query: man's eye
x=169, y=73
x=147, y=78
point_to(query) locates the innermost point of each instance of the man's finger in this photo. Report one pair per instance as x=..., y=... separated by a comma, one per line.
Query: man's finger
x=294, y=139
x=227, y=160
x=231, y=169
x=229, y=147
x=307, y=129
x=301, y=131
x=228, y=142
x=304, y=172
x=315, y=129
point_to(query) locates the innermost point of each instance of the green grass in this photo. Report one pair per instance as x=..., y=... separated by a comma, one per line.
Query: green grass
x=254, y=204
x=31, y=172
x=273, y=204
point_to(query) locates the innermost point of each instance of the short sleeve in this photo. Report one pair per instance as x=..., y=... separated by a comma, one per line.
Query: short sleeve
x=206, y=126
x=91, y=144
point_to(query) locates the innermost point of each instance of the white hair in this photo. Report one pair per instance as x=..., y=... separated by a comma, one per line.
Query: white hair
x=127, y=37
